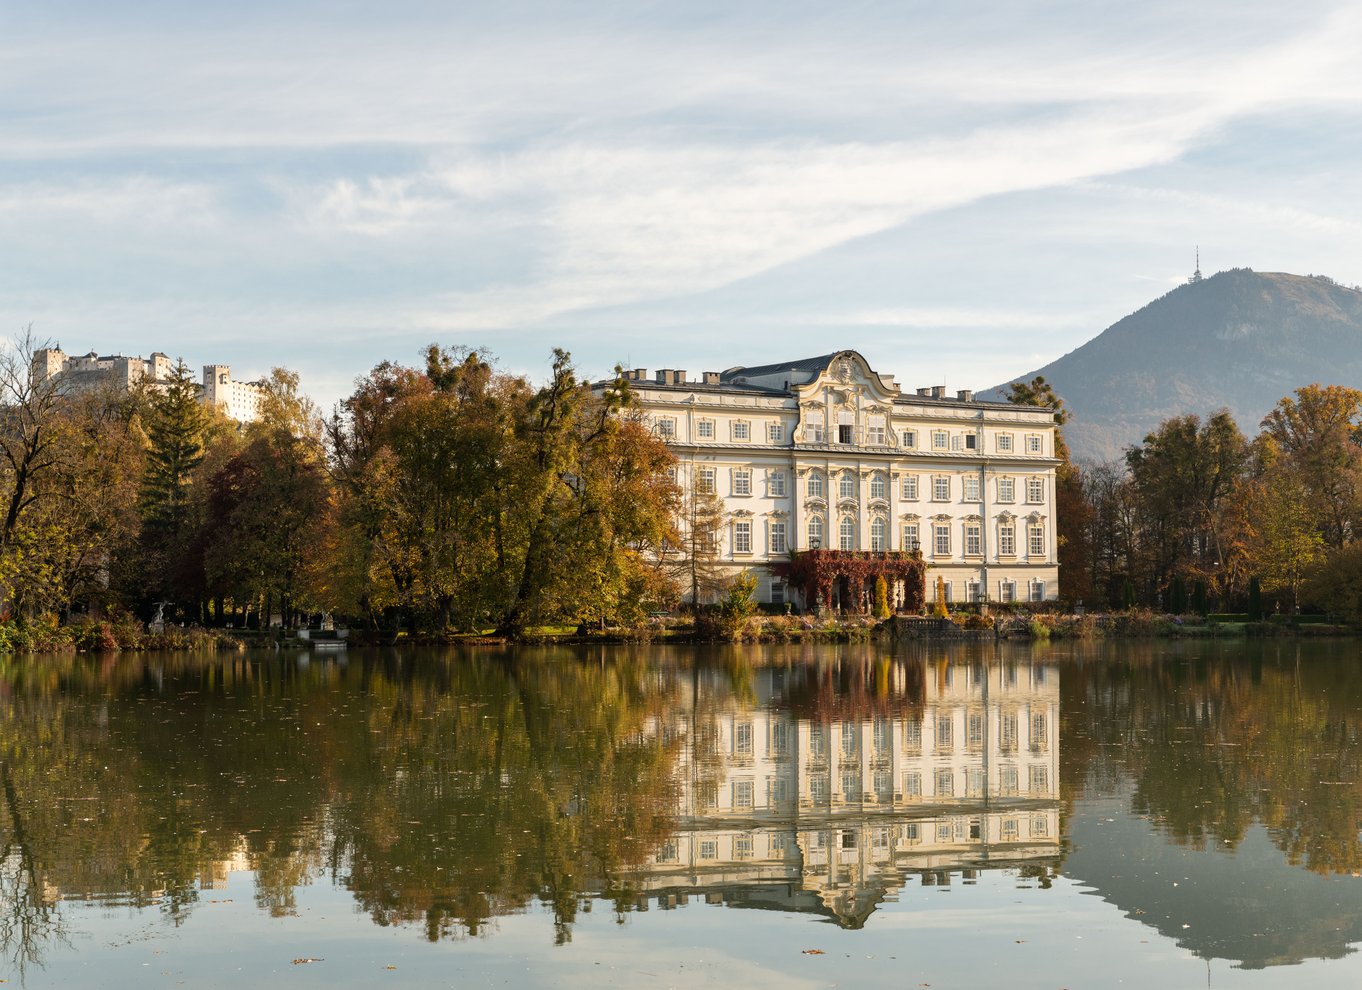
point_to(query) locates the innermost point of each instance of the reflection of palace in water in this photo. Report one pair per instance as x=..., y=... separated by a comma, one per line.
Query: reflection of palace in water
x=831, y=813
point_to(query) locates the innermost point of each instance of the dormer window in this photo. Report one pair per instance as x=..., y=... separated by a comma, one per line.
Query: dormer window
x=875, y=431
x=846, y=427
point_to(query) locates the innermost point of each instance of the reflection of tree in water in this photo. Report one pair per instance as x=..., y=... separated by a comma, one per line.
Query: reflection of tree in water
x=445, y=790
x=1227, y=737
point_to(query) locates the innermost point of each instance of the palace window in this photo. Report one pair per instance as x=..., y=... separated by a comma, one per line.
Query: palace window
x=1040, y=828
x=709, y=849
x=878, y=486
x=912, y=784
x=945, y=783
x=846, y=485
x=775, y=480
x=910, y=487
x=742, y=739
x=846, y=427
x=818, y=789
x=1007, y=732
x=1007, y=490
x=945, y=731
x=851, y=785
x=1035, y=490
x=815, y=532
x=1007, y=780
x=813, y=427
x=912, y=735
x=742, y=537
x=1004, y=443
x=742, y=429
x=1009, y=830
x=941, y=488
x=775, y=433
x=1038, y=591
x=1007, y=540
x=1007, y=590
x=941, y=440
x=877, y=535
x=974, y=591
x=666, y=428
x=971, y=488
x=911, y=539
x=704, y=429
x=1033, y=443
x=777, y=587
x=1038, y=734
x=1035, y=541
x=815, y=485
x=909, y=438
x=704, y=481
x=874, y=430
x=742, y=793
x=974, y=731
x=742, y=481
x=974, y=544
x=942, y=544
x=971, y=441
x=846, y=534
x=1040, y=779
x=778, y=539
x=851, y=738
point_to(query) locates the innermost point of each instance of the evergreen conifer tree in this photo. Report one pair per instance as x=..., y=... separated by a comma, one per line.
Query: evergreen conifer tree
x=175, y=430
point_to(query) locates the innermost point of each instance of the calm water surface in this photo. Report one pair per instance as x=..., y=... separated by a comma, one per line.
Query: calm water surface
x=1147, y=814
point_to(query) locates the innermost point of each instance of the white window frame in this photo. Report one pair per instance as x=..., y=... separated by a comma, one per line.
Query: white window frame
x=971, y=488
x=742, y=536
x=875, y=430
x=706, y=480
x=816, y=533
x=908, y=439
x=974, y=539
x=1035, y=491
x=941, y=440
x=1007, y=539
x=911, y=534
x=941, y=488
x=776, y=538
x=740, y=430
x=742, y=481
x=941, y=540
x=879, y=487
x=666, y=427
x=879, y=535
x=814, y=486
x=704, y=429
x=1034, y=445
x=813, y=427
x=846, y=533
x=775, y=433
x=1035, y=540
x=1036, y=590
x=910, y=488
x=1003, y=443
x=775, y=481
x=1007, y=490
x=1007, y=590
x=846, y=485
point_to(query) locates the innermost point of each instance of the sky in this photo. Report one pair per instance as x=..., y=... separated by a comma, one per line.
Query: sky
x=961, y=191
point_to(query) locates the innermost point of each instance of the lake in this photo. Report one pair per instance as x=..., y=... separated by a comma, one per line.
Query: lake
x=967, y=815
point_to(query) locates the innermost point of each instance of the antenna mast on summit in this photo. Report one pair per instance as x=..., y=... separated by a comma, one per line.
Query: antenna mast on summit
x=1196, y=275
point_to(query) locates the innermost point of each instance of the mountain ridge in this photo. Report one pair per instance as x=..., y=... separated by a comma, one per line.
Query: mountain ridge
x=1239, y=340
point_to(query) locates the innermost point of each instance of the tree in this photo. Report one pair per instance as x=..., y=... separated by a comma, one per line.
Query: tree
x=881, y=597
x=1183, y=474
x=1317, y=433
x=1281, y=536
x=703, y=521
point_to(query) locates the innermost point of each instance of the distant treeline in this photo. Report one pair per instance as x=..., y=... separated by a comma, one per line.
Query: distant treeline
x=1200, y=517
x=443, y=497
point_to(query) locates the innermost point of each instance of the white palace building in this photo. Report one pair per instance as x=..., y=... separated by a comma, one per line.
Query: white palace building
x=827, y=453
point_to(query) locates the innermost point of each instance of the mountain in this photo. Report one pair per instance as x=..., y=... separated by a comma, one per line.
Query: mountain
x=1240, y=340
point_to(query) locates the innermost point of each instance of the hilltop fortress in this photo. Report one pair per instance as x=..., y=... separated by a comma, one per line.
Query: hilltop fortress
x=238, y=400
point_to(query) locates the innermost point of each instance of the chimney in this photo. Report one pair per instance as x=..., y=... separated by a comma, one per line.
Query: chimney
x=679, y=378
x=711, y=377
x=965, y=395
x=664, y=377
x=938, y=391
x=639, y=374
x=924, y=391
